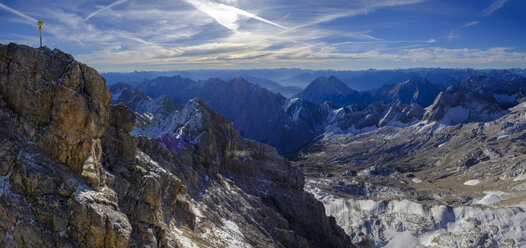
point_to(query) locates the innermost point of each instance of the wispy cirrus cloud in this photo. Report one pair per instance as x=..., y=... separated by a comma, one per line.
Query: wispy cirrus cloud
x=469, y=24
x=18, y=13
x=104, y=8
x=494, y=7
x=326, y=11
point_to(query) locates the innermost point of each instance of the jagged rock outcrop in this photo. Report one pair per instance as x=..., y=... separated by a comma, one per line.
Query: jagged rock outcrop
x=505, y=93
x=140, y=103
x=374, y=116
x=460, y=107
x=402, y=115
x=71, y=175
x=413, y=91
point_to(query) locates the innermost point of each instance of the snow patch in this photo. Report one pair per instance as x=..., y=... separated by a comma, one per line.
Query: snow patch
x=520, y=178
x=472, y=182
x=490, y=198
x=290, y=103
x=416, y=180
x=182, y=240
x=409, y=224
x=400, y=239
x=295, y=114
x=455, y=115
x=178, y=122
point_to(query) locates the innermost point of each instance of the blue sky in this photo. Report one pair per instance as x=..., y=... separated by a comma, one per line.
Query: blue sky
x=127, y=35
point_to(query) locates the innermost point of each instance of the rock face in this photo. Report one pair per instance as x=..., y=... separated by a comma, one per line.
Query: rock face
x=54, y=111
x=413, y=91
x=71, y=175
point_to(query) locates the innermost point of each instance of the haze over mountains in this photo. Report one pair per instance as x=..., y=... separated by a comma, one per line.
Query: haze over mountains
x=357, y=80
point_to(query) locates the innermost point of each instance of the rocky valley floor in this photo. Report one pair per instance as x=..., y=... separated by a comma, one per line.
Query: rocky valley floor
x=425, y=185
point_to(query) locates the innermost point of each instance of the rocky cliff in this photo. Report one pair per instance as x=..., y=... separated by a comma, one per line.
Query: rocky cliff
x=71, y=175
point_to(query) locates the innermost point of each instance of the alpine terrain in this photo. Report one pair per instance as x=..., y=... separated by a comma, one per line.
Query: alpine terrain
x=72, y=175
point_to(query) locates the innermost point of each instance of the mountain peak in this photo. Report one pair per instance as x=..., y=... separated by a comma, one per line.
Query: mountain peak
x=332, y=82
x=416, y=90
x=328, y=89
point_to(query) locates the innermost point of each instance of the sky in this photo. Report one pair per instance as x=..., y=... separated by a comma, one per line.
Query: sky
x=128, y=35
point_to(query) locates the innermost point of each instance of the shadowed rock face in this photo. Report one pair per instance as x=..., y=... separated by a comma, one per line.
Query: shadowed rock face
x=71, y=175
x=330, y=89
x=413, y=91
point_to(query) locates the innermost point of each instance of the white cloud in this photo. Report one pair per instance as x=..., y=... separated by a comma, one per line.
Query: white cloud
x=494, y=7
x=226, y=15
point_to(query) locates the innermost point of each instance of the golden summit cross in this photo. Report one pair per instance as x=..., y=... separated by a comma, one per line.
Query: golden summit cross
x=40, y=27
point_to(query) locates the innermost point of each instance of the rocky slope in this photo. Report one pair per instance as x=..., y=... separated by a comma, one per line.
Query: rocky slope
x=71, y=175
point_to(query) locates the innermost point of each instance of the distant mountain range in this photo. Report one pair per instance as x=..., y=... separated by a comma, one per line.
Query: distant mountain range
x=293, y=80
x=327, y=106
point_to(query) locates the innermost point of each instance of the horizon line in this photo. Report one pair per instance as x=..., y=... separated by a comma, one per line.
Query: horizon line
x=335, y=70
